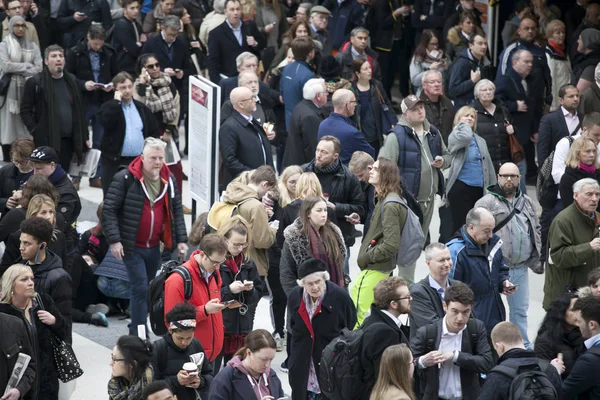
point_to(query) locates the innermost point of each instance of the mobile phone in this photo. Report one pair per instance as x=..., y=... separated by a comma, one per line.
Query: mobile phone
x=228, y=302
x=81, y=13
x=511, y=288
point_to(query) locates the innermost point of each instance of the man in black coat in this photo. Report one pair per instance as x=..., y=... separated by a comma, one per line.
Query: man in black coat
x=114, y=116
x=509, y=345
x=430, y=14
x=75, y=17
x=438, y=353
x=229, y=40
x=358, y=48
x=244, y=62
x=101, y=71
x=14, y=340
x=243, y=143
x=14, y=175
x=142, y=208
x=583, y=383
x=383, y=327
x=127, y=37
x=453, y=20
x=427, y=304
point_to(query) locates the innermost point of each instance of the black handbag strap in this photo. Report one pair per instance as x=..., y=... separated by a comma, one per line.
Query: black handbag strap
x=518, y=207
x=40, y=302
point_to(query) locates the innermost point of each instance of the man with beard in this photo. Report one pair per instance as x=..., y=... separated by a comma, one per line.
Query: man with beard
x=518, y=227
x=383, y=328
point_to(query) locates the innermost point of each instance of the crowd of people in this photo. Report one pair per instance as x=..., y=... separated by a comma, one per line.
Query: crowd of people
x=314, y=141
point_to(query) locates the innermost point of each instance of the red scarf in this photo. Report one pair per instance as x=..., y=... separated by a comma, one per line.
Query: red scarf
x=558, y=48
x=234, y=263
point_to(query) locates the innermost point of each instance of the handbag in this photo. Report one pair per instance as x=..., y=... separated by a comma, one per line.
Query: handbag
x=4, y=84
x=388, y=117
x=65, y=361
x=517, y=154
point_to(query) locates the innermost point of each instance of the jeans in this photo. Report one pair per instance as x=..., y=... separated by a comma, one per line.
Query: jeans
x=523, y=172
x=141, y=264
x=97, y=132
x=112, y=287
x=518, y=302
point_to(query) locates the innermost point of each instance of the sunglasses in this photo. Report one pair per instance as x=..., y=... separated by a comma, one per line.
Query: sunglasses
x=152, y=66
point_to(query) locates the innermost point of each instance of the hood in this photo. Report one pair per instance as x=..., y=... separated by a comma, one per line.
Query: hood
x=516, y=353
x=454, y=35
x=263, y=382
x=136, y=169
x=497, y=191
x=237, y=192
x=57, y=175
x=403, y=122
x=51, y=262
x=466, y=53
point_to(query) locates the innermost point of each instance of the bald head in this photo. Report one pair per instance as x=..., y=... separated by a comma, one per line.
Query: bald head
x=344, y=102
x=241, y=99
x=480, y=225
x=509, y=179
x=508, y=168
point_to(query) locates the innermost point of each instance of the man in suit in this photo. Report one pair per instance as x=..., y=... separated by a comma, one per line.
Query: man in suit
x=229, y=40
x=383, y=328
x=460, y=350
x=428, y=294
x=170, y=50
x=304, y=124
x=513, y=90
x=319, y=19
x=243, y=143
x=583, y=383
x=127, y=37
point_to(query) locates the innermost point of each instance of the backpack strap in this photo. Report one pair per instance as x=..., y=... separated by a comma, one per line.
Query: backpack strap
x=393, y=199
x=430, y=337
x=472, y=332
x=187, y=281
x=517, y=207
x=161, y=348
x=505, y=370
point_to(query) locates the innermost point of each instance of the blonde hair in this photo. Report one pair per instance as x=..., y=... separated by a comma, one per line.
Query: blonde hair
x=308, y=185
x=554, y=26
x=237, y=224
x=35, y=206
x=579, y=145
x=8, y=281
x=394, y=372
x=243, y=177
x=464, y=110
x=285, y=197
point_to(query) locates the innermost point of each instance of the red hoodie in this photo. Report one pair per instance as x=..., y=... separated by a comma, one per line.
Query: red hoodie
x=155, y=222
x=210, y=330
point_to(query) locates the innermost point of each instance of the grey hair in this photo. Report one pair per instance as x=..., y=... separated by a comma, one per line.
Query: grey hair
x=312, y=87
x=306, y=6
x=430, y=72
x=578, y=186
x=517, y=55
x=482, y=83
x=239, y=60
x=597, y=73
x=432, y=247
x=475, y=214
x=323, y=274
x=219, y=6
x=242, y=76
x=154, y=143
x=171, y=21
x=360, y=29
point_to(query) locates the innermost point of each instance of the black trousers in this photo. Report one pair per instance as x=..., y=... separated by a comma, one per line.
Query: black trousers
x=279, y=299
x=397, y=60
x=110, y=168
x=85, y=289
x=462, y=198
x=66, y=152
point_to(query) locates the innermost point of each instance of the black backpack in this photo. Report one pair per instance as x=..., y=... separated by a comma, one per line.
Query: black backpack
x=529, y=381
x=545, y=188
x=156, y=294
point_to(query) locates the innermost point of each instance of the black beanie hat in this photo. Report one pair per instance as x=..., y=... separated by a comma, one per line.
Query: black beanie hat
x=310, y=266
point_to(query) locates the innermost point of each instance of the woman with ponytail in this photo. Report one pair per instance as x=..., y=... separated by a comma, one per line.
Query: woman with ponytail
x=131, y=369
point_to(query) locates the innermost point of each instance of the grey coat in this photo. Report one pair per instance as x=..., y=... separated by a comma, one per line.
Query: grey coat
x=458, y=143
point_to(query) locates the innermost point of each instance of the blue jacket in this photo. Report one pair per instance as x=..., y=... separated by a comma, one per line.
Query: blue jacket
x=293, y=78
x=352, y=139
x=344, y=17
x=460, y=85
x=484, y=272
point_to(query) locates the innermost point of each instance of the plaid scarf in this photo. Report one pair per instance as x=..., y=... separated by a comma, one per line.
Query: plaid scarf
x=121, y=389
x=159, y=98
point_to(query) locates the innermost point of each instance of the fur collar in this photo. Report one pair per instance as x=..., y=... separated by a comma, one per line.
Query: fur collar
x=298, y=243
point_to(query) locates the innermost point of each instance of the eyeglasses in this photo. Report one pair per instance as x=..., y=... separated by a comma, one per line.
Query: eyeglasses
x=432, y=82
x=20, y=26
x=239, y=245
x=113, y=359
x=409, y=297
x=251, y=98
x=509, y=176
x=214, y=263
x=152, y=66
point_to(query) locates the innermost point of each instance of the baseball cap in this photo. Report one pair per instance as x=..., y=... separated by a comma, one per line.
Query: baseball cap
x=44, y=154
x=410, y=102
x=319, y=10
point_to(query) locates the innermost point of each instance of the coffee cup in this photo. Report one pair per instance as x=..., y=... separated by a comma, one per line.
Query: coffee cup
x=190, y=368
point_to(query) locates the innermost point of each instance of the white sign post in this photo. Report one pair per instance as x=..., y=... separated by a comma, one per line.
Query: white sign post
x=204, y=121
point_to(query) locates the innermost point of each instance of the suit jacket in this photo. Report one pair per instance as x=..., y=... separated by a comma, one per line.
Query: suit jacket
x=223, y=49
x=302, y=136
x=553, y=127
x=582, y=383
x=472, y=362
x=241, y=144
x=509, y=90
x=178, y=57
x=124, y=41
x=426, y=306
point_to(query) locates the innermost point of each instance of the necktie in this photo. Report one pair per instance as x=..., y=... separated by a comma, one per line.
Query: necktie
x=441, y=293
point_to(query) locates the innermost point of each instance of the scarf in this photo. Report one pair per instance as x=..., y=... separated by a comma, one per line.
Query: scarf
x=318, y=251
x=162, y=99
x=328, y=169
x=20, y=50
x=233, y=263
x=120, y=389
x=558, y=48
x=587, y=168
x=79, y=125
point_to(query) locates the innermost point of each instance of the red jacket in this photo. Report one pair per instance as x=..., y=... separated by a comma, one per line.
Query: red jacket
x=210, y=330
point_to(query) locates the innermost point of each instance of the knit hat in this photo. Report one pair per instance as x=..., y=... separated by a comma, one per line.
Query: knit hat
x=590, y=38
x=330, y=68
x=310, y=266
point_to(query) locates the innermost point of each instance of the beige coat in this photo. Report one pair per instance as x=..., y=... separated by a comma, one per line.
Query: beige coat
x=31, y=32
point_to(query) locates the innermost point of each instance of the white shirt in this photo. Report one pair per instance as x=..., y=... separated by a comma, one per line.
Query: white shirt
x=450, y=385
x=592, y=341
x=572, y=120
x=393, y=317
x=560, y=157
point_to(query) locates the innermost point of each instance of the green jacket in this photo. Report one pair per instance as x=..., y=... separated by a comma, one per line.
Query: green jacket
x=570, y=254
x=387, y=235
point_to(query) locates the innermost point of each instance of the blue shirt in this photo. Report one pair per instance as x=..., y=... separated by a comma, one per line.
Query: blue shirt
x=133, y=143
x=237, y=32
x=94, y=62
x=472, y=171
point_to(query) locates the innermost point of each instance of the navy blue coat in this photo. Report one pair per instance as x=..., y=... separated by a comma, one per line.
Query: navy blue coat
x=508, y=90
x=293, y=78
x=352, y=139
x=583, y=382
x=553, y=127
x=344, y=17
x=460, y=85
x=471, y=266
x=177, y=57
x=124, y=42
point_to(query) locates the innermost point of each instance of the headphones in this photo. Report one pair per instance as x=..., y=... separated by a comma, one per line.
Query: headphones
x=42, y=246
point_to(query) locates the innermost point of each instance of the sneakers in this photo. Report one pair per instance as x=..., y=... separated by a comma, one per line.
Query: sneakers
x=99, y=319
x=97, y=308
x=279, y=341
x=284, y=367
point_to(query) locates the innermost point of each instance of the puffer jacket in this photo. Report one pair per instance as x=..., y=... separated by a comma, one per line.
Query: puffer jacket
x=495, y=202
x=386, y=232
x=13, y=341
x=570, y=256
x=483, y=269
x=460, y=85
x=295, y=251
x=252, y=210
x=458, y=144
x=124, y=202
x=492, y=128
